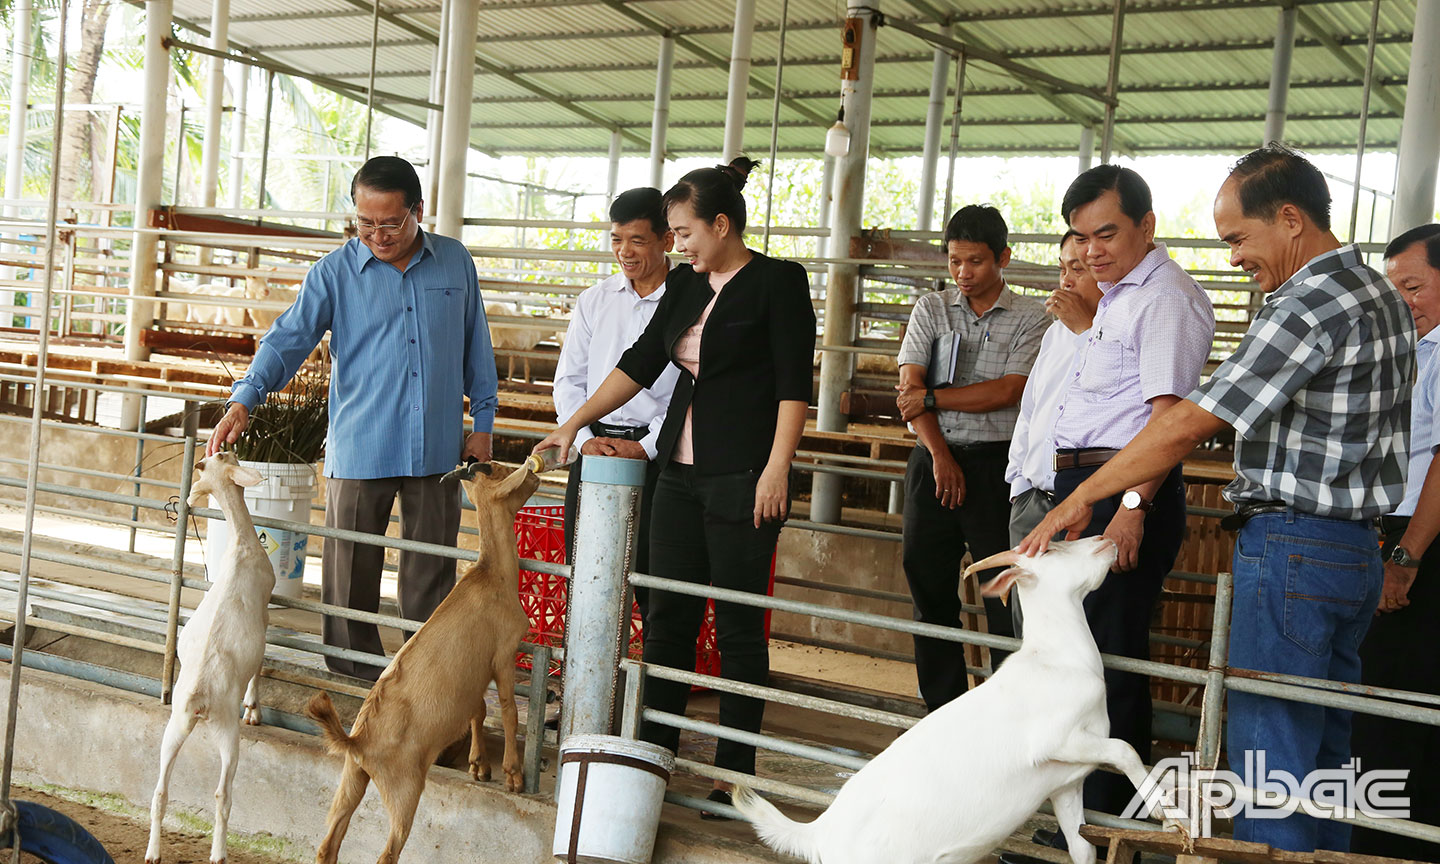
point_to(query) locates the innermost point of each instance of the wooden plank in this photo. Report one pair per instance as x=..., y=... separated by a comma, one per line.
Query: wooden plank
x=176, y=340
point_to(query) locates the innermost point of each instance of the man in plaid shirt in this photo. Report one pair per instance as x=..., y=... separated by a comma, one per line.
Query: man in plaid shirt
x=1319, y=395
x=956, y=496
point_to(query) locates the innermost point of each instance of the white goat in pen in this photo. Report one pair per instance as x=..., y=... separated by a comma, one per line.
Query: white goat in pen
x=505, y=337
x=205, y=313
x=959, y=782
x=220, y=649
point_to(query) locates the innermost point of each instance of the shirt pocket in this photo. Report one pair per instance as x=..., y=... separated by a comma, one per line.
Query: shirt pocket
x=443, y=313
x=1106, y=369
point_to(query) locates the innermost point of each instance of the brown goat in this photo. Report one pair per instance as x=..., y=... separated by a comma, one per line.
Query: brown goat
x=436, y=682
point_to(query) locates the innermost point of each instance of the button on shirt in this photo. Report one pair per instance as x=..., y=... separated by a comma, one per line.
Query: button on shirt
x=1151, y=336
x=608, y=318
x=1424, y=420
x=1319, y=393
x=1003, y=341
x=406, y=348
x=1032, y=449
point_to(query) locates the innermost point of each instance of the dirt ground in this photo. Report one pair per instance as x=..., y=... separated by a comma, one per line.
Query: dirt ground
x=124, y=829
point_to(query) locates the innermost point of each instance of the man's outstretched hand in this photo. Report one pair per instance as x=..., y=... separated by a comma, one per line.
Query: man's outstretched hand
x=228, y=430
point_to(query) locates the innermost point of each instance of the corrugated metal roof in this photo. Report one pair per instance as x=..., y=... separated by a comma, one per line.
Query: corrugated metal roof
x=1193, y=73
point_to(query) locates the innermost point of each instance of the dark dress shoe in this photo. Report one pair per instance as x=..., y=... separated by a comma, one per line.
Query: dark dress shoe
x=719, y=796
x=1046, y=837
x=1020, y=858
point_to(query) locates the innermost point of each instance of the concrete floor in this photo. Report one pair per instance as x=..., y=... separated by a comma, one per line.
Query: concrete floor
x=300, y=772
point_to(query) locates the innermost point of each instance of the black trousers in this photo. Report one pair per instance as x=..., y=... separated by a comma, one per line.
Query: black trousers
x=703, y=532
x=1399, y=652
x=933, y=543
x=641, y=562
x=1119, y=612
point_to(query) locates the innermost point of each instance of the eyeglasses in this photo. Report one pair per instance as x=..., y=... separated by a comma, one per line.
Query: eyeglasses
x=383, y=232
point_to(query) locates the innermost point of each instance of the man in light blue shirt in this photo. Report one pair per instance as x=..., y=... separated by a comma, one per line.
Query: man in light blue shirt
x=408, y=341
x=1399, y=648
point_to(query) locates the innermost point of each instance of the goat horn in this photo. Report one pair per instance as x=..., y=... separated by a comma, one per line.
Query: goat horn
x=999, y=559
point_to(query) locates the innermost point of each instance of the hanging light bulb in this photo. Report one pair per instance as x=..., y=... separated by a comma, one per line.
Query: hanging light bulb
x=837, y=139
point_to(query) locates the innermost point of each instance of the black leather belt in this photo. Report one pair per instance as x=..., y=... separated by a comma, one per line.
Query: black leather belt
x=1085, y=457
x=1394, y=525
x=628, y=433
x=1243, y=513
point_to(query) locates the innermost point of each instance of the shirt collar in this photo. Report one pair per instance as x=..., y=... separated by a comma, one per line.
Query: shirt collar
x=364, y=256
x=621, y=282
x=1432, y=338
x=1140, y=272
x=1345, y=257
x=953, y=297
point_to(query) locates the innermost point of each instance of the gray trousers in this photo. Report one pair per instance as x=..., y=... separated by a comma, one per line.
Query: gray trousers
x=1026, y=511
x=429, y=513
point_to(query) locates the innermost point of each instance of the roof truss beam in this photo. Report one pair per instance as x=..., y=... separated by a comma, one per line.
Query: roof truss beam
x=916, y=123
x=509, y=75
x=981, y=92
x=710, y=58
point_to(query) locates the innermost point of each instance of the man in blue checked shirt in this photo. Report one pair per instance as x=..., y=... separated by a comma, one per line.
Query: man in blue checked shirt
x=1318, y=393
x=408, y=341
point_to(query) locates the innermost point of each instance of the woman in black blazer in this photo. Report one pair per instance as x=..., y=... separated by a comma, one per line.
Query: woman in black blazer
x=741, y=328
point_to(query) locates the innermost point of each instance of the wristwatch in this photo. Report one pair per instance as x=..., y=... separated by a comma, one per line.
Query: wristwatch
x=1131, y=500
x=929, y=400
x=1401, y=558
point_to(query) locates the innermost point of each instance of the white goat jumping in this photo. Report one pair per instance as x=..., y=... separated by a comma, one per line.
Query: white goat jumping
x=220, y=649
x=959, y=782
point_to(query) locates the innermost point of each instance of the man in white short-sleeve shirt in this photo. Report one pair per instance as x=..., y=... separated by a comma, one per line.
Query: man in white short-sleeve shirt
x=609, y=316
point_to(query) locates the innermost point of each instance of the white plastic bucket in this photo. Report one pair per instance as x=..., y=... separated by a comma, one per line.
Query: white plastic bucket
x=610, y=792
x=286, y=493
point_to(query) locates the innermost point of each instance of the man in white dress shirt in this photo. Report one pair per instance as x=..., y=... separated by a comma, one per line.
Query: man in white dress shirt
x=1031, y=469
x=608, y=318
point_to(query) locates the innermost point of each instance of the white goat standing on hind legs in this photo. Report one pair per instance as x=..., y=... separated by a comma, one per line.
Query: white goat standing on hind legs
x=220, y=649
x=959, y=782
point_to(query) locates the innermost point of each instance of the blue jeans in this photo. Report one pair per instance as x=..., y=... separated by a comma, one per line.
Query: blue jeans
x=1306, y=588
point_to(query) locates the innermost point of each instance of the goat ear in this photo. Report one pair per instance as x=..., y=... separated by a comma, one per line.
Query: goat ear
x=1000, y=586
x=241, y=475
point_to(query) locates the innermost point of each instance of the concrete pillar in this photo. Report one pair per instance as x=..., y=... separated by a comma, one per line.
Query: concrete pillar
x=739, y=79
x=237, y=135
x=934, y=121
x=1280, y=76
x=597, y=627
x=21, y=17
x=435, y=119
x=1420, y=133
x=214, y=111
x=827, y=205
x=148, y=176
x=612, y=173
x=842, y=292
x=1087, y=148
x=455, y=137
x=660, y=124
x=1112, y=81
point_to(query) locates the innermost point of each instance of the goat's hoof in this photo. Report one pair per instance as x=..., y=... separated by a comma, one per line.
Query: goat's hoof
x=514, y=782
x=252, y=715
x=479, y=772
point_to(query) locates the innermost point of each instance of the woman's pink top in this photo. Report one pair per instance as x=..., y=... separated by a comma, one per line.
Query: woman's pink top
x=687, y=354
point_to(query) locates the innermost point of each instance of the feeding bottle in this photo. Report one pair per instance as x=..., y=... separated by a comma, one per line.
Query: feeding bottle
x=546, y=459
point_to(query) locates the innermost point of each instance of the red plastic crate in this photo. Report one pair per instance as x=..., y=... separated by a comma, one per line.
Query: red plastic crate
x=540, y=535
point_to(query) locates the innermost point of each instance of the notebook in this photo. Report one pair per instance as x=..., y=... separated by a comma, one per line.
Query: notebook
x=944, y=352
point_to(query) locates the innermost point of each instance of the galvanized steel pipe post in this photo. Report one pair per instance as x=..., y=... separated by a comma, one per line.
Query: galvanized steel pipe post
x=598, y=615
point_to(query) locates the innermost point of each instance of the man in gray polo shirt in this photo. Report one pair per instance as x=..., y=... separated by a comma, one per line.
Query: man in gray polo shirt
x=955, y=490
